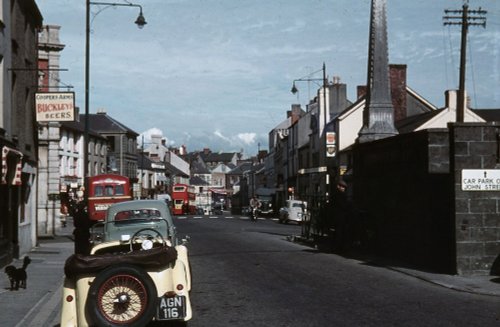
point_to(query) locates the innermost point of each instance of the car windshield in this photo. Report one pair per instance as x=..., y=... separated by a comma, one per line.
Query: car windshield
x=298, y=205
x=141, y=214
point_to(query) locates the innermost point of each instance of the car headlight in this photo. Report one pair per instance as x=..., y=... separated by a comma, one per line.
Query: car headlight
x=147, y=245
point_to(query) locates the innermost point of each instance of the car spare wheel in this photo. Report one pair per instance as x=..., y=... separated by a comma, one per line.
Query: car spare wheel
x=122, y=295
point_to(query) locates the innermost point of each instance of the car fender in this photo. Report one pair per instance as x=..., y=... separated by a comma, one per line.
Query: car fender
x=182, y=256
x=69, y=316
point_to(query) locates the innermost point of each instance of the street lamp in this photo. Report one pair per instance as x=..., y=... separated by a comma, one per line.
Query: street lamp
x=140, y=21
x=307, y=78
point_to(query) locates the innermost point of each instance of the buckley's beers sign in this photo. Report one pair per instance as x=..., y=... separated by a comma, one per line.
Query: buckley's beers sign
x=55, y=106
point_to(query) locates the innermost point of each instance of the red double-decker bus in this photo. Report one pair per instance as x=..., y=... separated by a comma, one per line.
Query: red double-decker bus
x=183, y=199
x=105, y=190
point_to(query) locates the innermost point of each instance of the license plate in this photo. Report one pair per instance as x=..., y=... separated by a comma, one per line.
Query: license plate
x=170, y=308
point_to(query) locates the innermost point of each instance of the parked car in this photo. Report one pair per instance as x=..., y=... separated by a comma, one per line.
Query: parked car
x=266, y=207
x=137, y=272
x=292, y=211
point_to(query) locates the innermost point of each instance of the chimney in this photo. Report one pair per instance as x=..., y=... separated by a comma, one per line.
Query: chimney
x=451, y=100
x=338, y=98
x=398, y=90
x=295, y=113
x=182, y=150
x=361, y=91
x=156, y=139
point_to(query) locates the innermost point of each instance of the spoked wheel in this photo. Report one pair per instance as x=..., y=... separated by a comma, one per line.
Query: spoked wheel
x=122, y=296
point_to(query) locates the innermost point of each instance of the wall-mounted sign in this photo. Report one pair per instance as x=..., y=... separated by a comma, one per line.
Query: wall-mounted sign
x=331, y=144
x=481, y=180
x=55, y=106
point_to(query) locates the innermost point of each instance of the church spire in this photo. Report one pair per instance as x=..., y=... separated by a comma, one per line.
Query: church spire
x=378, y=115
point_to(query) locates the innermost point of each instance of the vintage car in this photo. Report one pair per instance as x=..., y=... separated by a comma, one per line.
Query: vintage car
x=137, y=272
x=293, y=210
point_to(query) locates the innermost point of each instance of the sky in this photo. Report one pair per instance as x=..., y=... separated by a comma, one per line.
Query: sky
x=217, y=73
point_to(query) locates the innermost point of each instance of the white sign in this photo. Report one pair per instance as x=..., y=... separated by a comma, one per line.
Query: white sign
x=481, y=180
x=331, y=138
x=55, y=106
x=331, y=147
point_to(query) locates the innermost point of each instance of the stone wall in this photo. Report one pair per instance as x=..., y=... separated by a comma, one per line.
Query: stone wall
x=477, y=213
x=411, y=187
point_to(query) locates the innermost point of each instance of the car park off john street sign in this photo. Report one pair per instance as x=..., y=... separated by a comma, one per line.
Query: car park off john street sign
x=481, y=180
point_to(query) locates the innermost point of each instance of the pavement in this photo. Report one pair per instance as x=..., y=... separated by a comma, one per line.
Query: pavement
x=39, y=303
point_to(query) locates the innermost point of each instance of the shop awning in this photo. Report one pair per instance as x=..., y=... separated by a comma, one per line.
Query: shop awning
x=11, y=167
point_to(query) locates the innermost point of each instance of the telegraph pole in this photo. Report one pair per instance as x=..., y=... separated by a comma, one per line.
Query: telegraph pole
x=466, y=18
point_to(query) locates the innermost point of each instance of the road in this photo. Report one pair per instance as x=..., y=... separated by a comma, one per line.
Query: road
x=249, y=274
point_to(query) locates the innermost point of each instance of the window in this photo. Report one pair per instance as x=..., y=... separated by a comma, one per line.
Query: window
x=119, y=190
x=111, y=143
x=109, y=189
x=99, y=190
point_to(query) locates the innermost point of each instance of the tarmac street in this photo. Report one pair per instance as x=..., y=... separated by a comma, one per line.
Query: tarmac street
x=39, y=303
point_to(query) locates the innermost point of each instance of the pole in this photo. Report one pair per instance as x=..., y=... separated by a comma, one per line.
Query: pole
x=475, y=18
x=142, y=167
x=463, y=56
x=324, y=99
x=87, y=80
x=325, y=160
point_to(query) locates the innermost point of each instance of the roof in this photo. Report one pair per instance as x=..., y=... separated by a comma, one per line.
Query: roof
x=241, y=168
x=79, y=126
x=488, y=114
x=197, y=180
x=198, y=167
x=218, y=157
x=409, y=124
x=172, y=170
x=102, y=123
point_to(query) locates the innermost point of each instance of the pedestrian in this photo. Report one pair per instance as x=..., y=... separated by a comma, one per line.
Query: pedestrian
x=82, y=225
x=254, y=207
x=254, y=202
x=341, y=211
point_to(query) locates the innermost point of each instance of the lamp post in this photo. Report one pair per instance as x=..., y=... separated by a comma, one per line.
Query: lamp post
x=321, y=132
x=294, y=89
x=140, y=21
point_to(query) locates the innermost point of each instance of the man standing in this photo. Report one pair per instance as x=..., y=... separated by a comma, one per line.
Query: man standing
x=341, y=211
x=82, y=225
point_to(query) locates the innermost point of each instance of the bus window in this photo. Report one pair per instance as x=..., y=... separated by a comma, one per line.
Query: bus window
x=109, y=189
x=119, y=190
x=98, y=191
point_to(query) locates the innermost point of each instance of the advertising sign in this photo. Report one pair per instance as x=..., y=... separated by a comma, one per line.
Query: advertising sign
x=331, y=144
x=55, y=106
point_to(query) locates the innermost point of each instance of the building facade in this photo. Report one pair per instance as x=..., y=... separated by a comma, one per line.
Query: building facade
x=19, y=25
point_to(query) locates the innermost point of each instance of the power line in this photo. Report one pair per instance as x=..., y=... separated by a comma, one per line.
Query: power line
x=465, y=18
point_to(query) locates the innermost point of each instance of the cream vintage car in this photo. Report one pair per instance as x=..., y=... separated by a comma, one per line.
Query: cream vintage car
x=137, y=272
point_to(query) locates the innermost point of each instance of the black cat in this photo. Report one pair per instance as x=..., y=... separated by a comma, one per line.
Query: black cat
x=18, y=276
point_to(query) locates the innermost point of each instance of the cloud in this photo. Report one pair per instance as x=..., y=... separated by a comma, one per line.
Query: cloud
x=247, y=138
x=224, y=138
x=146, y=135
